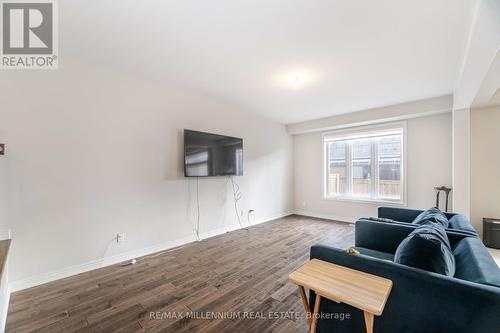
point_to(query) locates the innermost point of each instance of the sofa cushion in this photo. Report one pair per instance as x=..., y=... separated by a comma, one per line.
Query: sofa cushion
x=433, y=215
x=460, y=222
x=428, y=248
x=474, y=262
x=375, y=253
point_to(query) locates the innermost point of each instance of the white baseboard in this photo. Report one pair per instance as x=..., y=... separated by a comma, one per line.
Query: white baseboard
x=220, y=231
x=94, y=264
x=99, y=263
x=272, y=217
x=326, y=216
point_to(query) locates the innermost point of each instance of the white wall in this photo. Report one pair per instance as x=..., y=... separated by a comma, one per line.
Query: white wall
x=481, y=46
x=4, y=296
x=461, y=161
x=485, y=164
x=92, y=152
x=430, y=106
x=428, y=159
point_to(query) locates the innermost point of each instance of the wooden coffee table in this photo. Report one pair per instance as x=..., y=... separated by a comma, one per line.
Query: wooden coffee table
x=364, y=291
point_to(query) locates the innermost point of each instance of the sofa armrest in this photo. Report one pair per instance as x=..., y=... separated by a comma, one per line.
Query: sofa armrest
x=380, y=236
x=420, y=301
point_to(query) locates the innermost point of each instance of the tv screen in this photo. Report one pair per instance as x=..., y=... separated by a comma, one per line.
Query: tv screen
x=210, y=155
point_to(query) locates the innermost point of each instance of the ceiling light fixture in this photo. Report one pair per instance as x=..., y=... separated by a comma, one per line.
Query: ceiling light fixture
x=296, y=81
x=294, y=78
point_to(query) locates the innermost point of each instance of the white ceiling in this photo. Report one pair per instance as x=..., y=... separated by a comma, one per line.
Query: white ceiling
x=356, y=54
x=489, y=92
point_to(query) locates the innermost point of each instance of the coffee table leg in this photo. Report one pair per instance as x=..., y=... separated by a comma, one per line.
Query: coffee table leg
x=306, y=304
x=314, y=321
x=368, y=321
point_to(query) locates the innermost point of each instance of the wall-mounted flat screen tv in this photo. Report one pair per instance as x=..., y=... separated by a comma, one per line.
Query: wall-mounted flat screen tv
x=211, y=155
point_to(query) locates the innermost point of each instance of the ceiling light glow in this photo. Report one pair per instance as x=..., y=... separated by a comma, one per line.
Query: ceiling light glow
x=297, y=80
x=294, y=78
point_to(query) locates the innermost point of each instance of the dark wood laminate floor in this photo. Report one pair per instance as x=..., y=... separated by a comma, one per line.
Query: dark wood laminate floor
x=241, y=271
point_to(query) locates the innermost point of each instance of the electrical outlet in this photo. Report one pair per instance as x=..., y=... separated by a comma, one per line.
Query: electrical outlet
x=304, y=204
x=120, y=238
x=2, y=149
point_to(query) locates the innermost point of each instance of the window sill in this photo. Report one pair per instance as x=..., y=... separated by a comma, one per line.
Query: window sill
x=366, y=201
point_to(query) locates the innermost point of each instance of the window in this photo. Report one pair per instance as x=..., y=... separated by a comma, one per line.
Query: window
x=366, y=164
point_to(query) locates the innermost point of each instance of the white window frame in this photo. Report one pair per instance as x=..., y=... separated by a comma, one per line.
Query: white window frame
x=365, y=131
